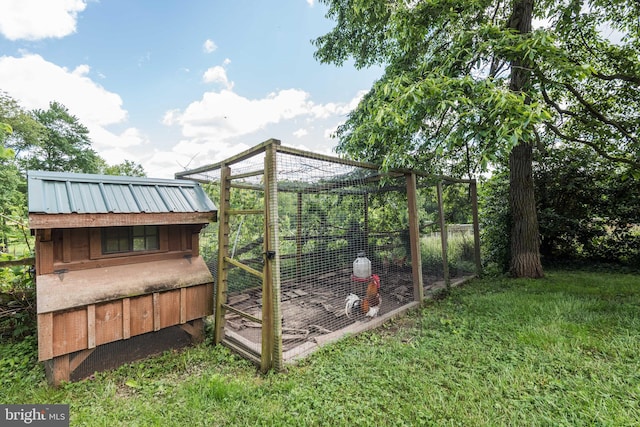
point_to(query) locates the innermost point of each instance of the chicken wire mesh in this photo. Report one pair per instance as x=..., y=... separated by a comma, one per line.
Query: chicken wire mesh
x=328, y=213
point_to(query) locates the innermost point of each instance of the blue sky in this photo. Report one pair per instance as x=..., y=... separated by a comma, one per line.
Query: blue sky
x=179, y=83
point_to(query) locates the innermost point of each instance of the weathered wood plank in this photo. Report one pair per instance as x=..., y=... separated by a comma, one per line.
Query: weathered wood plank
x=102, y=261
x=79, y=288
x=108, y=322
x=195, y=245
x=199, y=301
x=91, y=326
x=169, y=305
x=66, y=245
x=69, y=331
x=156, y=311
x=142, y=315
x=183, y=305
x=74, y=220
x=126, y=318
x=45, y=257
x=45, y=336
x=95, y=243
x=60, y=370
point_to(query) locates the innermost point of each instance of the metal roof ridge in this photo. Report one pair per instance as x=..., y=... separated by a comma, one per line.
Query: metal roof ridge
x=116, y=179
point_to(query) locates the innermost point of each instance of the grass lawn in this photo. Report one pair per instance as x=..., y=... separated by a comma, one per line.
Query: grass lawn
x=561, y=351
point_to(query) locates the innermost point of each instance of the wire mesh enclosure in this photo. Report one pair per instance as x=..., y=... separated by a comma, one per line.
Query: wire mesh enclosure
x=310, y=247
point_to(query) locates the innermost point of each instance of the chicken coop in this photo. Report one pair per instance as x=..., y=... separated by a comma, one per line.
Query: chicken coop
x=311, y=247
x=118, y=272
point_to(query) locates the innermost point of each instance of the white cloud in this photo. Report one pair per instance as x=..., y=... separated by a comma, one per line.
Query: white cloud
x=310, y=2
x=226, y=114
x=224, y=123
x=226, y=62
x=34, y=83
x=209, y=46
x=300, y=133
x=38, y=19
x=217, y=74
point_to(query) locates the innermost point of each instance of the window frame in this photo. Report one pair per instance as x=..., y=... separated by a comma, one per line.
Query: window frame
x=126, y=238
x=97, y=245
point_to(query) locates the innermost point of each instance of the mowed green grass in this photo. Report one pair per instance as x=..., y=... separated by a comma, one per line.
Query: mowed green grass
x=561, y=351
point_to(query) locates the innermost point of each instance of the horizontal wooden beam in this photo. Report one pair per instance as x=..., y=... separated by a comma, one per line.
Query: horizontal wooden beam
x=16, y=262
x=74, y=220
x=242, y=313
x=244, y=267
x=245, y=211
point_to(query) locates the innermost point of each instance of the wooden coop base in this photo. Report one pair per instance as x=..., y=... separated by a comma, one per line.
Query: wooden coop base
x=82, y=364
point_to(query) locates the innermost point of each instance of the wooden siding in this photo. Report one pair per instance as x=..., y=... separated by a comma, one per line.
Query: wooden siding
x=39, y=221
x=97, y=324
x=72, y=249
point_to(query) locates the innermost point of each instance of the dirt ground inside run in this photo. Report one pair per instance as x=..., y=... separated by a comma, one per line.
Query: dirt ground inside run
x=313, y=308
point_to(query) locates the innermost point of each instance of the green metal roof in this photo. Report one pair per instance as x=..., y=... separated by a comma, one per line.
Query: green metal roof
x=65, y=192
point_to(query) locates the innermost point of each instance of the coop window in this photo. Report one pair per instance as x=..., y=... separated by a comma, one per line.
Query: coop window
x=130, y=239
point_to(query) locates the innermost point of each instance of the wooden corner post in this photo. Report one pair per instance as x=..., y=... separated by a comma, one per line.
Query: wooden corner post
x=271, y=316
x=414, y=237
x=223, y=251
x=443, y=235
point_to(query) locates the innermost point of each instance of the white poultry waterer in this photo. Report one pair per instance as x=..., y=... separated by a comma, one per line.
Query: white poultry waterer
x=361, y=267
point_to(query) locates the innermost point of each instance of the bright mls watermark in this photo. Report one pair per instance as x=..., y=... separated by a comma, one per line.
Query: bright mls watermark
x=34, y=415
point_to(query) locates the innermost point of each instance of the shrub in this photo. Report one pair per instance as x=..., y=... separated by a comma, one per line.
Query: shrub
x=17, y=303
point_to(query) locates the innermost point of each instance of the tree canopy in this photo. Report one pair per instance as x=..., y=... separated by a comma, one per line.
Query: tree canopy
x=65, y=144
x=471, y=83
x=51, y=139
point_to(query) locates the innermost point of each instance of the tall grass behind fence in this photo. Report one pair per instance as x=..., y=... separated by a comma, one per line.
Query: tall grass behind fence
x=460, y=254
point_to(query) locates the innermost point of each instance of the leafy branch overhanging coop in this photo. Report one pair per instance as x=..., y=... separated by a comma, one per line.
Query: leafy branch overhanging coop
x=291, y=226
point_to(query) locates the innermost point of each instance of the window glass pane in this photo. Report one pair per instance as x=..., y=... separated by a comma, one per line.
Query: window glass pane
x=110, y=245
x=138, y=230
x=123, y=244
x=127, y=239
x=138, y=244
x=152, y=242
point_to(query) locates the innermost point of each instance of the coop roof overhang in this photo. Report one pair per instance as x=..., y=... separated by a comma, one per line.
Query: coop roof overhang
x=61, y=199
x=64, y=290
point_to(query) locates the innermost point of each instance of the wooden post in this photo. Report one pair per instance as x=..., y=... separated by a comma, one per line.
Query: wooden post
x=126, y=318
x=443, y=236
x=299, y=238
x=44, y=245
x=57, y=370
x=414, y=237
x=366, y=224
x=223, y=251
x=272, y=264
x=476, y=227
x=45, y=336
x=91, y=326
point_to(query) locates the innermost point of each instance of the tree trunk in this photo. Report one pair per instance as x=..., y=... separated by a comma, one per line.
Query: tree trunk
x=525, y=236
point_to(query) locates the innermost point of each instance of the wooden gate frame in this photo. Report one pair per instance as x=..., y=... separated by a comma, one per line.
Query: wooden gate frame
x=270, y=356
